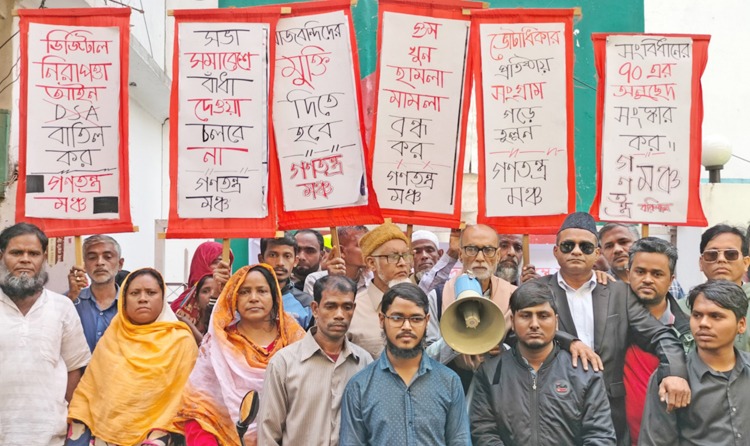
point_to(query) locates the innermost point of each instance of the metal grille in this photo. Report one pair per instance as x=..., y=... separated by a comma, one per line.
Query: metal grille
x=174, y=289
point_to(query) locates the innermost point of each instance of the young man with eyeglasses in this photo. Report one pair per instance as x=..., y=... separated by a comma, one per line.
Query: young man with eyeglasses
x=405, y=397
x=724, y=256
x=607, y=316
x=386, y=252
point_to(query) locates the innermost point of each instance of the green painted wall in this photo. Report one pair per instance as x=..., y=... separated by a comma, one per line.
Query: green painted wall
x=598, y=16
x=241, y=252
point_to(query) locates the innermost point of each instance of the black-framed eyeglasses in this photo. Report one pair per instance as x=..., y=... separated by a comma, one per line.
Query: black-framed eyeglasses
x=398, y=321
x=568, y=246
x=488, y=251
x=395, y=257
x=712, y=255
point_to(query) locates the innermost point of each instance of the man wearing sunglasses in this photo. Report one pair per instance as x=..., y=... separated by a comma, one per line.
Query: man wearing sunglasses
x=479, y=254
x=724, y=256
x=607, y=316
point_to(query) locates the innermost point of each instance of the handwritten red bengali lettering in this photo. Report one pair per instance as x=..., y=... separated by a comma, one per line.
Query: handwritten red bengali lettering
x=423, y=76
x=86, y=184
x=57, y=69
x=660, y=70
x=405, y=99
x=527, y=37
x=421, y=54
x=76, y=41
x=324, y=167
x=315, y=189
x=215, y=155
x=222, y=60
x=310, y=63
x=206, y=108
x=424, y=29
x=652, y=205
x=654, y=92
x=72, y=92
x=520, y=92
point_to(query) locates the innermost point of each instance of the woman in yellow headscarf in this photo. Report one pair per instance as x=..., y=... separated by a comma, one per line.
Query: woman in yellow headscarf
x=130, y=392
x=248, y=326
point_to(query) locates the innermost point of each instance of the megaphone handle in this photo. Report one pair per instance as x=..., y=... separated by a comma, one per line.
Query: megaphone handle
x=241, y=430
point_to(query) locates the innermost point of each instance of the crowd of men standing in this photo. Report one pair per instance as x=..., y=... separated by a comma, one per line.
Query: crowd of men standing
x=623, y=356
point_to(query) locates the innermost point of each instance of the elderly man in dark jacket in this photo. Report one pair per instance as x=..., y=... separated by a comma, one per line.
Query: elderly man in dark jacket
x=532, y=395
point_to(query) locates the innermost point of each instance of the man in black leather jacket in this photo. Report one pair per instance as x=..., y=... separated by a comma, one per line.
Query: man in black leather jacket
x=532, y=395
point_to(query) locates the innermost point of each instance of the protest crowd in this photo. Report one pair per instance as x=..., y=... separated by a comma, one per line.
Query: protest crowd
x=622, y=356
x=353, y=328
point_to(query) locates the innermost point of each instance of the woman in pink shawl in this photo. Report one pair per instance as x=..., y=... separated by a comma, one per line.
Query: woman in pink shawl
x=205, y=260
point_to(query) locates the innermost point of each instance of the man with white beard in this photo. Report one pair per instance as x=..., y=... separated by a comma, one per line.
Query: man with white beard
x=386, y=252
x=509, y=258
x=426, y=249
x=479, y=249
x=41, y=342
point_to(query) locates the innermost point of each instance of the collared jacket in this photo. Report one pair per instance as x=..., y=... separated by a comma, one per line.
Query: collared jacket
x=719, y=410
x=556, y=405
x=619, y=320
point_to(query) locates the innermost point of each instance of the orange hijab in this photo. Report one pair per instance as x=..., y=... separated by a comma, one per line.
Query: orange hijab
x=136, y=375
x=229, y=365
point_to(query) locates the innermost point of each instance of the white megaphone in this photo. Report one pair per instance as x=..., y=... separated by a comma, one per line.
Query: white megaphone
x=473, y=324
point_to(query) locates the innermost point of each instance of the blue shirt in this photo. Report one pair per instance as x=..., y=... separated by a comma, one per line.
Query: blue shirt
x=303, y=315
x=94, y=320
x=378, y=408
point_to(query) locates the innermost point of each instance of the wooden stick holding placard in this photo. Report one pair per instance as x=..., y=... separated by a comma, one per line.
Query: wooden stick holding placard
x=79, y=251
x=644, y=230
x=526, y=256
x=409, y=232
x=225, y=250
x=334, y=238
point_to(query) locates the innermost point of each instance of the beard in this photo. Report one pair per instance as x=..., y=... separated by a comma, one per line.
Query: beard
x=507, y=272
x=484, y=275
x=21, y=287
x=304, y=271
x=537, y=344
x=405, y=353
x=103, y=281
x=419, y=274
x=397, y=281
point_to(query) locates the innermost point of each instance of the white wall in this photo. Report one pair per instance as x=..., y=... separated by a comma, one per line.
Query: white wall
x=725, y=87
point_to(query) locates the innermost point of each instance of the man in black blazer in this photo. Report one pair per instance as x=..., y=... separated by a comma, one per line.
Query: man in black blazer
x=607, y=317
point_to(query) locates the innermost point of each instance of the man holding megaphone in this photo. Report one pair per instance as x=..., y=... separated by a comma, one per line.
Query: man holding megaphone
x=479, y=256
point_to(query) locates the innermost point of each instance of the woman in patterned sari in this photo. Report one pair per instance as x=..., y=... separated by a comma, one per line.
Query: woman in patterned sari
x=248, y=326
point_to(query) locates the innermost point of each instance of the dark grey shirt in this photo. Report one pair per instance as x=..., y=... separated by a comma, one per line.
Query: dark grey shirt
x=719, y=410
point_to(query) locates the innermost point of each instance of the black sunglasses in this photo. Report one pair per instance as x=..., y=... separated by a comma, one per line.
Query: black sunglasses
x=567, y=247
